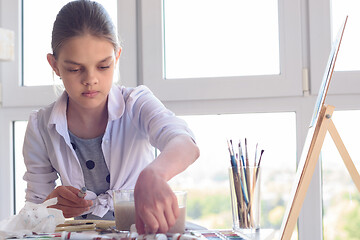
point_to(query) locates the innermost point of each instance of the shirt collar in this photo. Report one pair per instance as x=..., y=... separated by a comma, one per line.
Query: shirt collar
x=58, y=113
x=116, y=103
x=116, y=108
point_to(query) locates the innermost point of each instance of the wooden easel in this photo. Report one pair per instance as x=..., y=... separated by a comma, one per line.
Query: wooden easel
x=307, y=164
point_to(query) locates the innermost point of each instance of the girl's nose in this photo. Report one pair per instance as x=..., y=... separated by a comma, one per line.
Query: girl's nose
x=89, y=79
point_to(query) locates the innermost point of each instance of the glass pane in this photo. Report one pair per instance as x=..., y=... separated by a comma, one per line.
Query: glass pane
x=213, y=38
x=37, y=28
x=349, y=50
x=341, y=198
x=207, y=179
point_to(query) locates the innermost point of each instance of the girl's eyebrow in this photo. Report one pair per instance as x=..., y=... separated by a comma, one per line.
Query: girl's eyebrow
x=105, y=59
x=75, y=63
x=71, y=62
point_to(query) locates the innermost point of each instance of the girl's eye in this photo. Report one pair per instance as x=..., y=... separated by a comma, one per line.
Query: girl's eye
x=74, y=70
x=104, y=67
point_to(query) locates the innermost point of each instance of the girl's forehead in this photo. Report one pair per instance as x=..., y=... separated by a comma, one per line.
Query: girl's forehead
x=86, y=47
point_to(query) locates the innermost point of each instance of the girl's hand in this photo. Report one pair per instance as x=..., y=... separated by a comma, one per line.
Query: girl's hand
x=156, y=205
x=69, y=202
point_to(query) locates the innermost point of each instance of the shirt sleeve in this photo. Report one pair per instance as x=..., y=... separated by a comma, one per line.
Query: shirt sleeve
x=153, y=118
x=40, y=175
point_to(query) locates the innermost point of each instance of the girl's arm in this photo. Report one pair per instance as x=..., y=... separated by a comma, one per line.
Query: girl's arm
x=155, y=203
x=41, y=175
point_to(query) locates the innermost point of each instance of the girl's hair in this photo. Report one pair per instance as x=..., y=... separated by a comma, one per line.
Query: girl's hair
x=79, y=18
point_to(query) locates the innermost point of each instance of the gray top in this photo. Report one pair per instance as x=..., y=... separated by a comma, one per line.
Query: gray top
x=92, y=161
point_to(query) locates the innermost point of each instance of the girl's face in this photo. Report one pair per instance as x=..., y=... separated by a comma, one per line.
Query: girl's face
x=86, y=66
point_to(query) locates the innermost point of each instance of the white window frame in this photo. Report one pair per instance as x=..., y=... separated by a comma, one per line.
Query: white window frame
x=7, y=117
x=287, y=83
x=6, y=170
x=13, y=94
x=150, y=61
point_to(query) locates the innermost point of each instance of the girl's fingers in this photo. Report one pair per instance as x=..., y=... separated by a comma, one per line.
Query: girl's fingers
x=69, y=202
x=150, y=223
x=80, y=204
x=171, y=216
x=69, y=193
x=162, y=219
x=70, y=211
x=158, y=219
x=140, y=226
x=67, y=196
x=175, y=208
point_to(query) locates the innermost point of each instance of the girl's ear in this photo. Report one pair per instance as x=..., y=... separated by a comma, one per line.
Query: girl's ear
x=117, y=56
x=52, y=61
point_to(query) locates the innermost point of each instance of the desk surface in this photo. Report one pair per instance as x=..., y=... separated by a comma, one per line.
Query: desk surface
x=223, y=234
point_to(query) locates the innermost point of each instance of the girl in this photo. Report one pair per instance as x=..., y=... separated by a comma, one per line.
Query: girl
x=100, y=135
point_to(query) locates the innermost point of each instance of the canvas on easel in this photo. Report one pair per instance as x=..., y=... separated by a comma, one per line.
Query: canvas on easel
x=321, y=124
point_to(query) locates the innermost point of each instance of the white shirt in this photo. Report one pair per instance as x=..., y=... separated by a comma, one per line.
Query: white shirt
x=137, y=120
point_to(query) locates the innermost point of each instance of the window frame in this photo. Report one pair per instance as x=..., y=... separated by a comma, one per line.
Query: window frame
x=11, y=72
x=287, y=83
x=6, y=171
x=7, y=185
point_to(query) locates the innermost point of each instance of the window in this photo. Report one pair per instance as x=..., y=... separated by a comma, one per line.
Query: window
x=30, y=75
x=199, y=50
x=224, y=38
x=207, y=180
x=37, y=44
x=324, y=25
x=341, y=198
x=10, y=147
x=347, y=59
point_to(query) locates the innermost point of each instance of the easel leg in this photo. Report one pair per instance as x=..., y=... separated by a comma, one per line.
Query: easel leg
x=344, y=154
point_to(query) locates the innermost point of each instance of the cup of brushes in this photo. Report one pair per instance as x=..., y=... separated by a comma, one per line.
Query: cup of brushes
x=245, y=183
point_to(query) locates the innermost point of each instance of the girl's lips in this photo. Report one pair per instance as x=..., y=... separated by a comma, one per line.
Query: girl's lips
x=90, y=93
